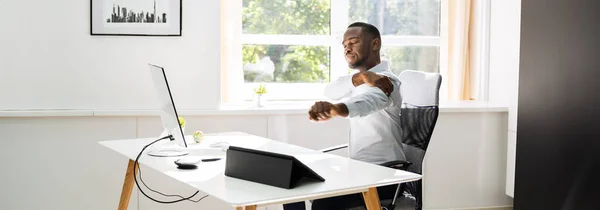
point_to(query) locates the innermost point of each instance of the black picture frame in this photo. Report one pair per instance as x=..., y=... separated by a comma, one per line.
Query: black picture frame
x=131, y=25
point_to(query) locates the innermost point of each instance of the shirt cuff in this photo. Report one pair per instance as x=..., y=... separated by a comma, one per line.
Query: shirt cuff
x=352, y=109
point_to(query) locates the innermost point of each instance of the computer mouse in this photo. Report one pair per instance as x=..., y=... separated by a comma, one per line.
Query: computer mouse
x=188, y=163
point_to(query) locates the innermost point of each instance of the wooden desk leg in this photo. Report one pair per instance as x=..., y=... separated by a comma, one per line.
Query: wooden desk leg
x=127, y=186
x=247, y=208
x=372, y=199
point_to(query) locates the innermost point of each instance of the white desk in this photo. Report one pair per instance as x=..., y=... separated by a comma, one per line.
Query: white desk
x=342, y=175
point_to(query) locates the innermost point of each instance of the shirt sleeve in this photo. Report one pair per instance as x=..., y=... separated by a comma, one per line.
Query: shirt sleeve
x=369, y=100
x=340, y=88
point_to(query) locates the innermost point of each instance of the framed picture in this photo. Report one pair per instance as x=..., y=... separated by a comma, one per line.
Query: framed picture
x=135, y=17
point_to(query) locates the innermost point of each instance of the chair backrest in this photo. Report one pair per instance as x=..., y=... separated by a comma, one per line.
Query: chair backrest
x=417, y=125
x=420, y=88
x=419, y=113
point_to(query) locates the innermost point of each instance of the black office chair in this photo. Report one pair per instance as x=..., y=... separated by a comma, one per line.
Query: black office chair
x=419, y=113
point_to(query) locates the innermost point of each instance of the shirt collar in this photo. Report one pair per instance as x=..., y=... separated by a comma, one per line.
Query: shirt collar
x=383, y=66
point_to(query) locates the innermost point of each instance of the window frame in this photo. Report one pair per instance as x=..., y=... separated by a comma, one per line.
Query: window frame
x=311, y=91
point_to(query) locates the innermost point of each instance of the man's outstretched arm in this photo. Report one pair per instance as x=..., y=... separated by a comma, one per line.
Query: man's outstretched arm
x=371, y=99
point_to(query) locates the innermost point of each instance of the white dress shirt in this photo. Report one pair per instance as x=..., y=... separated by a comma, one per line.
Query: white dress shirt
x=375, y=132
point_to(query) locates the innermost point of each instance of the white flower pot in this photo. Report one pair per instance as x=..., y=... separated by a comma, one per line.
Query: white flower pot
x=259, y=100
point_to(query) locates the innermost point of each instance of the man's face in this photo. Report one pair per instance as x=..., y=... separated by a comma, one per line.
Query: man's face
x=356, y=47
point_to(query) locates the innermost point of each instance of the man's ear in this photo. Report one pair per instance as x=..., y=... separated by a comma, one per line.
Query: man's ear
x=376, y=44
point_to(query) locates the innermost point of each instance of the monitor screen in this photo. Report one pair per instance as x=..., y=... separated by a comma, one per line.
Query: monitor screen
x=168, y=112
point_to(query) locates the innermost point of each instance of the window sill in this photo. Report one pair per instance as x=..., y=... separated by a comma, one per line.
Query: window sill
x=270, y=108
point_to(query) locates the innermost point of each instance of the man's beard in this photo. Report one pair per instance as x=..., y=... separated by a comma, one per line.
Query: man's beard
x=358, y=63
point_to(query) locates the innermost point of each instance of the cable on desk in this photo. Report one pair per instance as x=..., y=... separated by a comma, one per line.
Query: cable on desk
x=136, y=165
x=166, y=195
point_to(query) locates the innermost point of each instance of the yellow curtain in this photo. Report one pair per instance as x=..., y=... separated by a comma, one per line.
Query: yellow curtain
x=459, y=45
x=231, y=51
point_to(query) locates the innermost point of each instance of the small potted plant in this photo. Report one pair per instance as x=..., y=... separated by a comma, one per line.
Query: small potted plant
x=198, y=136
x=260, y=91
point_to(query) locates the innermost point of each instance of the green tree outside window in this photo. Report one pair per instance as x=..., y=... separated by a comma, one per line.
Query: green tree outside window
x=311, y=64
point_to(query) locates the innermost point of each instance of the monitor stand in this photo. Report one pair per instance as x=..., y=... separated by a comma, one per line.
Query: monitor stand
x=167, y=149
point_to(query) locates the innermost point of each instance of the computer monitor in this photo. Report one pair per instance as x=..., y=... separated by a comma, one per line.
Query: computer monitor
x=168, y=116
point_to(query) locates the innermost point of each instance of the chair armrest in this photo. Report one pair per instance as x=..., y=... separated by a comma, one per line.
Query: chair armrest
x=334, y=148
x=397, y=164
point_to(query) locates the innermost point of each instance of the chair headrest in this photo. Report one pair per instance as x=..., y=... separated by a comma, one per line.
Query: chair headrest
x=420, y=88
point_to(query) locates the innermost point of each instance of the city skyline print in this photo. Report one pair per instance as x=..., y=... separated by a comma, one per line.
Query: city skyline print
x=136, y=11
x=136, y=17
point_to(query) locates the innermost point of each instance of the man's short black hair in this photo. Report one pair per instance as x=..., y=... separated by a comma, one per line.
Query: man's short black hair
x=370, y=29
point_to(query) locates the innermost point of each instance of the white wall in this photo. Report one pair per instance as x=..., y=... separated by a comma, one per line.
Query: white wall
x=504, y=69
x=465, y=163
x=48, y=60
x=49, y=161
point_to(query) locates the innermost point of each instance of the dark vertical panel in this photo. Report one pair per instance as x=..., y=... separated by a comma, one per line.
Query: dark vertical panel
x=558, y=133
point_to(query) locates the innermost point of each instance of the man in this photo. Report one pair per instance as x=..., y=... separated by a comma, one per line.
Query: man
x=371, y=102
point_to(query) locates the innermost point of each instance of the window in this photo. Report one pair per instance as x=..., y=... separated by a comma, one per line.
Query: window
x=294, y=46
x=410, y=31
